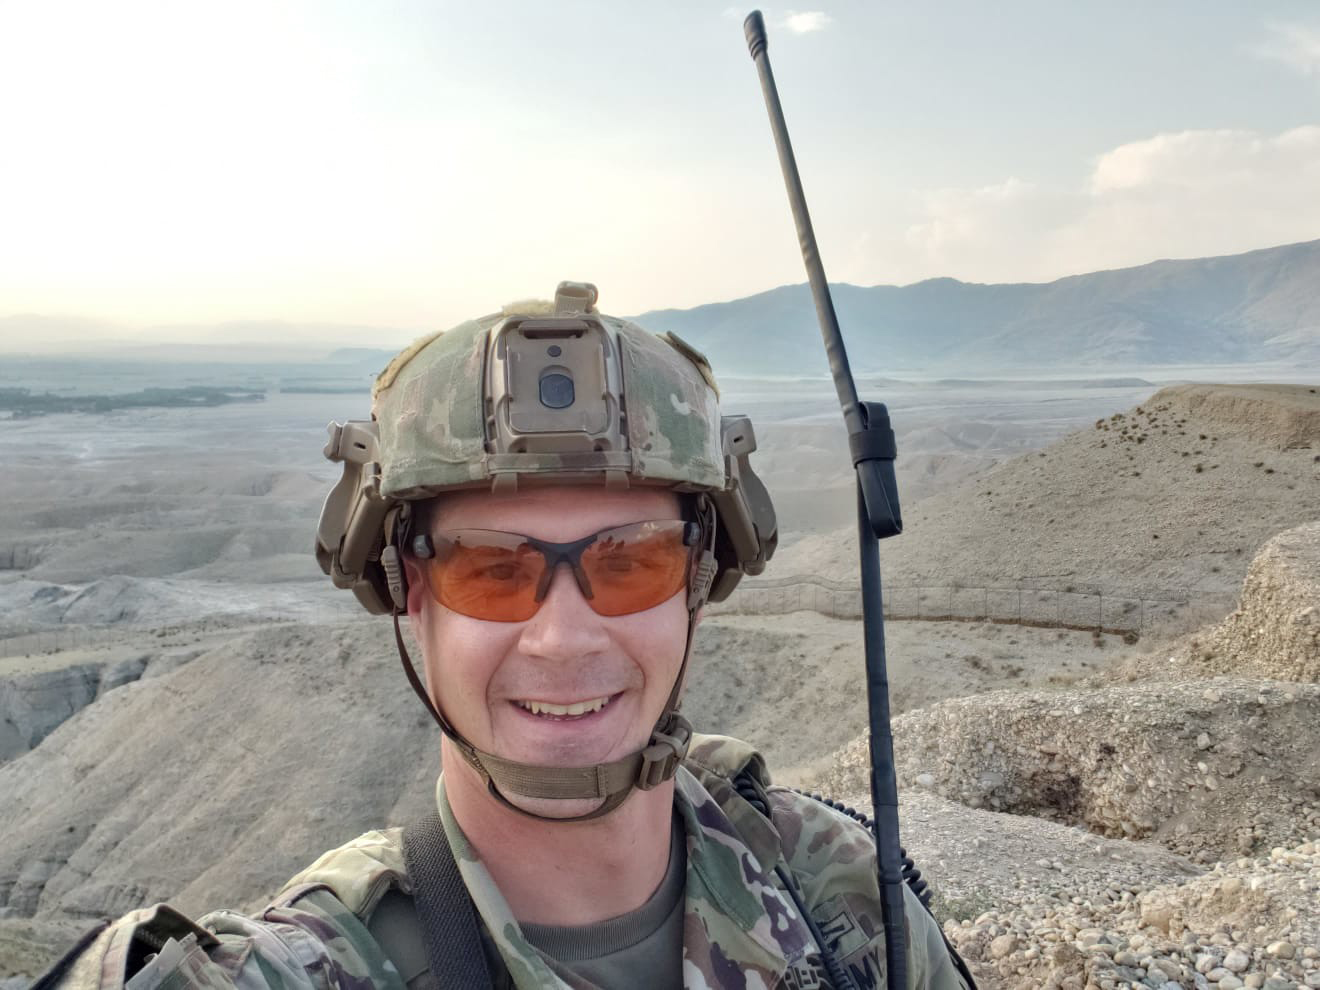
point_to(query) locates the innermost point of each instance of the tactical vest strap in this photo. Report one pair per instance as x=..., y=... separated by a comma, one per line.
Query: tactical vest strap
x=444, y=908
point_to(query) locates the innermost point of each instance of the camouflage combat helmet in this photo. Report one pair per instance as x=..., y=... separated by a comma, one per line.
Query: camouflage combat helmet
x=546, y=394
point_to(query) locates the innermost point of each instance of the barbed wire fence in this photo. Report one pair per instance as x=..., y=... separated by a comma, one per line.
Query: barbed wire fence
x=1045, y=607
x=58, y=638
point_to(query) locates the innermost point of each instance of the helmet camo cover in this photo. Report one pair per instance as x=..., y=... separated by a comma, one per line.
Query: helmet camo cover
x=434, y=429
x=525, y=398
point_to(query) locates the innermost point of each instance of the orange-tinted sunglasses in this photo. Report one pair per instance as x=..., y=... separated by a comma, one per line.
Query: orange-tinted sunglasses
x=504, y=577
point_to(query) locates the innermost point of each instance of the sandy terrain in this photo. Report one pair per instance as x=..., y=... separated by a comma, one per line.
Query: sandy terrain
x=1172, y=499
x=803, y=663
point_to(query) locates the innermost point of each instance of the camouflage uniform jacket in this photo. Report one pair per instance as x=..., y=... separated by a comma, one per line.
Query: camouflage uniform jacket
x=740, y=929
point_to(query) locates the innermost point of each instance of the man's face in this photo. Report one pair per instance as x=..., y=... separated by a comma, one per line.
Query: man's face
x=486, y=675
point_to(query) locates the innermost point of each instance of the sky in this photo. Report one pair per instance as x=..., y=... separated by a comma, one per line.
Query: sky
x=166, y=166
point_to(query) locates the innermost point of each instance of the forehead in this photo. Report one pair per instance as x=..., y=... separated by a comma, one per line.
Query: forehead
x=558, y=514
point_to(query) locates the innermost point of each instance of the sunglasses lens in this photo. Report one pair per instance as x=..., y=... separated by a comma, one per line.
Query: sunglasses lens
x=497, y=576
x=636, y=567
x=487, y=575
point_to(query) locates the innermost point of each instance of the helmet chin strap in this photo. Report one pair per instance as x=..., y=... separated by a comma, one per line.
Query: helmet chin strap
x=645, y=769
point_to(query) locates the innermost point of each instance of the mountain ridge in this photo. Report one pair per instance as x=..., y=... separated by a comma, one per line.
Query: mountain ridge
x=1253, y=307
x=1258, y=307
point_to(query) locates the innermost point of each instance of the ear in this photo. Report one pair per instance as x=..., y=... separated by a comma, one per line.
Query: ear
x=417, y=586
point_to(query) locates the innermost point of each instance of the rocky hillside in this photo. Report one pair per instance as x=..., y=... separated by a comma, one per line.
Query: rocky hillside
x=105, y=814
x=1224, y=771
x=1210, y=769
x=1275, y=631
x=1178, y=493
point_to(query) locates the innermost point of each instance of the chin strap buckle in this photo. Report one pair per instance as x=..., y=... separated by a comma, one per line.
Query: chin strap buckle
x=668, y=746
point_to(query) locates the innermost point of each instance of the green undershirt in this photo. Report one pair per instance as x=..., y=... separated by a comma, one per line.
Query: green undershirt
x=643, y=948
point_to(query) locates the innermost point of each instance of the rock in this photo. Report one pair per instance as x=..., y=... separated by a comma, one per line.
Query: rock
x=1281, y=950
x=1229, y=982
x=990, y=780
x=1065, y=956
x=1237, y=961
x=1158, y=911
x=926, y=780
x=1002, y=946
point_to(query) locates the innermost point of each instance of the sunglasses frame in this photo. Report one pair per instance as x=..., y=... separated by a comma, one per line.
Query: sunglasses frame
x=555, y=554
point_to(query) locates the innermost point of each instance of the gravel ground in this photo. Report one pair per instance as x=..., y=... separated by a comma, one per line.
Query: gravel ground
x=1248, y=923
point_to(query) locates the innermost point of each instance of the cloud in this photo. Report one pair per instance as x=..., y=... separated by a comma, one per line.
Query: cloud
x=1201, y=160
x=1295, y=45
x=804, y=22
x=1185, y=194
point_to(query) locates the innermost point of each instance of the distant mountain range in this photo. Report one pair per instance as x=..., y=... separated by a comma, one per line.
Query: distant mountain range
x=1258, y=307
x=1262, y=306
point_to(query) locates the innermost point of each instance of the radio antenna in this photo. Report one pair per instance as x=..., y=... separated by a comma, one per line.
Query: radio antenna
x=871, y=441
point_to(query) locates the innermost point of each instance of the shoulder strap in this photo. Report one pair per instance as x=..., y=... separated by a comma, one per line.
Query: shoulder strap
x=63, y=973
x=444, y=908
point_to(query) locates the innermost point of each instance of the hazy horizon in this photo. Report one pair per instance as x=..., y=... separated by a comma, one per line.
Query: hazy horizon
x=79, y=334
x=176, y=166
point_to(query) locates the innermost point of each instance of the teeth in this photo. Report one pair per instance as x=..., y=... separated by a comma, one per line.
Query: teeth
x=577, y=708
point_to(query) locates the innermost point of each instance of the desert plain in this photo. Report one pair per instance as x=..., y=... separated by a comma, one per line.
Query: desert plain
x=1104, y=649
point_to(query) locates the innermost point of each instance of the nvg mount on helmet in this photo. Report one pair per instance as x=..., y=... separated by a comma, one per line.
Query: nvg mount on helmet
x=871, y=441
x=534, y=395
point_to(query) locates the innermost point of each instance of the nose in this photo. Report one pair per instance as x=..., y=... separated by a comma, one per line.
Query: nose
x=564, y=627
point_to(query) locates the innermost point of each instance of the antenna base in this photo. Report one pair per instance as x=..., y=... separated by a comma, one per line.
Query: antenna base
x=873, y=452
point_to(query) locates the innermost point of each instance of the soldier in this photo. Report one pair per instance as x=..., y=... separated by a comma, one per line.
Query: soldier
x=550, y=496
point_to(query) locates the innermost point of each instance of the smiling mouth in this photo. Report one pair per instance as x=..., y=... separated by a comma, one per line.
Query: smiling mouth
x=578, y=709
